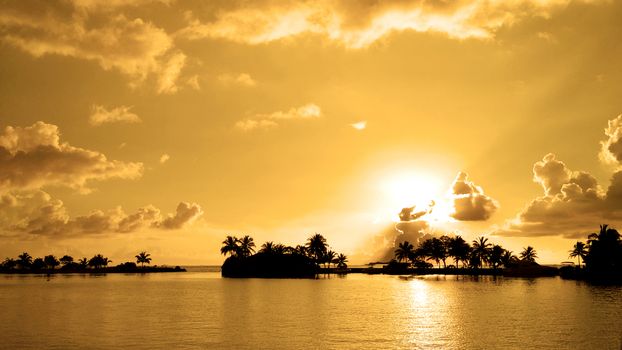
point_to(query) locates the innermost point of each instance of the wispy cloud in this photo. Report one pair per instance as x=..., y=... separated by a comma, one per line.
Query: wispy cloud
x=100, y=115
x=164, y=158
x=242, y=79
x=358, y=24
x=267, y=121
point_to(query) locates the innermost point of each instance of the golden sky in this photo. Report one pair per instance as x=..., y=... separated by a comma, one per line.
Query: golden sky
x=131, y=125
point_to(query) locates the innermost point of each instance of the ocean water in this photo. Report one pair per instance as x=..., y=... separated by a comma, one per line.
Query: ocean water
x=201, y=310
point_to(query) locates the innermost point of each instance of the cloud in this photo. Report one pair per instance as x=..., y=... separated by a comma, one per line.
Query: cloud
x=469, y=201
x=573, y=203
x=242, y=79
x=570, y=208
x=33, y=157
x=37, y=213
x=185, y=214
x=611, y=148
x=170, y=72
x=100, y=115
x=86, y=30
x=266, y=121
x=359, y=125
x=359, y=24
x=193, y=82
x=164, y=158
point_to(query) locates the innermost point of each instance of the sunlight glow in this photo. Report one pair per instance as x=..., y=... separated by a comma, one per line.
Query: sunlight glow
x=416, y=189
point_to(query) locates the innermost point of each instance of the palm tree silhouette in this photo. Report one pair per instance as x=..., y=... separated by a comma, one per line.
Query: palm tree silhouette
x=66, y=259
x=83, y=263
x=24, y=260
x=404, y=251
x=341, y=261
x=528, y=254
x=267, y=248
x=458, y=249
x=143, y=258
x=231, y=246
x=9, y=263
x=51, y=262
x=579, y=251
x=481, y=249
x=316, y=246
x=496, y=256
x=330, y=257
x=247, y=246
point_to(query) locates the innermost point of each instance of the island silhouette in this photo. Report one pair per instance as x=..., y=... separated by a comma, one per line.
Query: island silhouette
x=49, y=264
x=601, y=255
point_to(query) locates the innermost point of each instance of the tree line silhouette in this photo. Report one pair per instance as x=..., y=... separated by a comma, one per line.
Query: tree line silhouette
x=278, y=260
x=601, y=255
x=479, y=254
x=25, y=263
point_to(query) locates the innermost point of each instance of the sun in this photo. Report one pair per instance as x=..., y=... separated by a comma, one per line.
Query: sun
x=417, y=189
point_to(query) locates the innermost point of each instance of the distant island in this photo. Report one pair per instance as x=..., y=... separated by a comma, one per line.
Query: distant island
x=26, y=264
x=277, y=260
x=601, y=255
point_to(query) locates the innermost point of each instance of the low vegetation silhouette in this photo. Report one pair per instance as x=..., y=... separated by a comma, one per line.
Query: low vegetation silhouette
x=278, y=260
x=25, y=263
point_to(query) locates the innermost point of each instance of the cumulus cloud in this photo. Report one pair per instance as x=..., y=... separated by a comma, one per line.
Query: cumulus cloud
x=186, y=213
x=37, y=213
x=573, y=203
x=611, y=148
x=164, y=158
x=242, y=79
x=577, y=207
x=359, y=24
x=469, y=201
x=86, y=30
x=100, y=115
x=33, y=157
x=266, y=121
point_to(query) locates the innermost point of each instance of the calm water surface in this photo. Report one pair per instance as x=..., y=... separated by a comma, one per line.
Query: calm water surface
x=198, y=310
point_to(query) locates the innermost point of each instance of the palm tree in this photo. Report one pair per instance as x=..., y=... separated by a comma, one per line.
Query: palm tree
x=404, y=251
x=24, y=260
x=330, y=257
x=438, y=252
x=143, y=258
x=267, y=248
x=83, y=263
x=341, y=261
x=247, y=246
x=66, y=259
x=98, y=261
x=528, y=254
x=231, y=246
x=9, y=263
x=317, y=246
x=481, y=249
x=508, y=258
x=458, y=249
x=496, y=256
x=579, y=251
x=51, y=262
x=301, y=250
x=604, y=250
